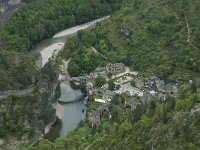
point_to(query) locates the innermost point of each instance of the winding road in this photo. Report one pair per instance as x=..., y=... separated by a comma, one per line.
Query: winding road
x=15, y=92
x=8, y=13
x=11, y=8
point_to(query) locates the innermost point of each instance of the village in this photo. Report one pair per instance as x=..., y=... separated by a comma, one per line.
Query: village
x=119, y=80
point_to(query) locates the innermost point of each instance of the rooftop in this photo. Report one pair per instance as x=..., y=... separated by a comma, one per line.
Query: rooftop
x=109, y=93
x=116, y=65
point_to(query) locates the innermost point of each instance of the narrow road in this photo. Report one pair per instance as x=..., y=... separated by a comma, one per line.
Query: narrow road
x=15, y=92
x=9, y=11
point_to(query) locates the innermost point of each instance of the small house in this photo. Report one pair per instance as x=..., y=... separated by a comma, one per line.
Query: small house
x=139, y=83
x=94, y=116
x=89, y=88
x=132, y=104
x=115, y=68
x=108, y=95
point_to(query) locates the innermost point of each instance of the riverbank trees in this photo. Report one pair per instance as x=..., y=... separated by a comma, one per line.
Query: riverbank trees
x=84, y=62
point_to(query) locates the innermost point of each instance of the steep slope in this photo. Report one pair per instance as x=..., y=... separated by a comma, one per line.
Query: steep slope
x=16, y=70
x=154, y=37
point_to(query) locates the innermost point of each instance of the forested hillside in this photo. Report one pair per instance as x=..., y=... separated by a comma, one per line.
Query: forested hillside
x=16, y=70
x=151, y=36
x=29, y=25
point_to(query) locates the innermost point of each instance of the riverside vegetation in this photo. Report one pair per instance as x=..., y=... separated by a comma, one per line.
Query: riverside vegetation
x=27, y=114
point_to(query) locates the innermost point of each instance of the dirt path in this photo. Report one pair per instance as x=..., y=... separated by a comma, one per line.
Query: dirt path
x=188, y=28
x=95, y=51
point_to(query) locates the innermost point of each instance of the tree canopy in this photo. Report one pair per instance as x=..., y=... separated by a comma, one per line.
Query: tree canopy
x=100, y=81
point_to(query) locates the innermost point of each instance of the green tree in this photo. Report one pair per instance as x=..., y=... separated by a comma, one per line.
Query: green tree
x=109, y=74
x=111, y=85
x=74, y=69
x=57, y=91
x=133, y=83
x=100, y=81
x=45, y=144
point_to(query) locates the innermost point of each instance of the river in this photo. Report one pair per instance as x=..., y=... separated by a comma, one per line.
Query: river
x=72, y=113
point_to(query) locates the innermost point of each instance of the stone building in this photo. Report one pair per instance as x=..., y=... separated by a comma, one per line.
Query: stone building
x=139, y=83
x=94, y=116
x=115, y=68
x=132, y=104
x=108, y=95
x=89, y=88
